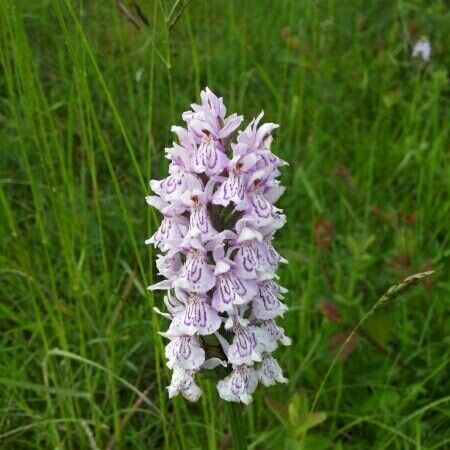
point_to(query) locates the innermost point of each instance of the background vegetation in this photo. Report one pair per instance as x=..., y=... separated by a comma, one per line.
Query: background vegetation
x=87, y=98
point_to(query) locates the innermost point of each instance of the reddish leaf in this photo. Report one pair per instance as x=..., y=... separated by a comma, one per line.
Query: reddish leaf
x=323, y=233
x=411, y=219
x=337, y=340
x=341, y=172
x=330, y=311
x=389, y=218
x=400, y=261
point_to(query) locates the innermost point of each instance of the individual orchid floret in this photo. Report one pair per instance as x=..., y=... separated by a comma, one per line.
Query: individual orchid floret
x=249, y=343
x=198, y=317
x=197, y=201
x=185, y=352
x=175, y=185
x=197, y=274
x=218, y=262
x=233, y=189
x=269, y=371
x=261, y=212
x=239, y=385
x=183, y=383
x=169, y=265
x=210, y=117
x=267, y=305
x=275, y=334
x=269, y=257
x=171, y=229
x=255, y=138
x=210, y=157
x=247, y=256
x=231, y=289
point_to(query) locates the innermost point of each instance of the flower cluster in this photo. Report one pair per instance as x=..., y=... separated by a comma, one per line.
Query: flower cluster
x=218, y=261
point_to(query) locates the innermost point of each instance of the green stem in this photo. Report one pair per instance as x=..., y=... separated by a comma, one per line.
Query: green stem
x=238, y=426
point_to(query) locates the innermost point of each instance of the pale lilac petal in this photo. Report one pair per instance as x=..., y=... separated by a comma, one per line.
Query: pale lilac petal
x=212, y=363
x=273, y=194
x=246, y=346
x=197, y=275
x=247, y=260
x=162, y=313
x=161, y=286
x=174, y=305
x=171, y=228
x=210, y=100
x=266, y=304
x=263, y=136
x=183, y=383
x=273, y=335
x=185, y=352
x=209, y=158
x=169, y=266
x=233, y=189
x=239, y=385
x=230, y=124
x=199, y=317
x=175, y=185
x=266, y=159
x=156, y=202
x=269, y=371
x=186, y=139
x=200, y=223
x=231, y=291
x=269, y=256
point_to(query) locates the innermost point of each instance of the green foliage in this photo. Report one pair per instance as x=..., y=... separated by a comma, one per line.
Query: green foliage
x=86, y=104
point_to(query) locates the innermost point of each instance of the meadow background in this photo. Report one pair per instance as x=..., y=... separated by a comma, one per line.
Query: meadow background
x=87, y=98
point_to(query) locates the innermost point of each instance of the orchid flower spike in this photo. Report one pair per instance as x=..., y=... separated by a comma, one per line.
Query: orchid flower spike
x=217, y=260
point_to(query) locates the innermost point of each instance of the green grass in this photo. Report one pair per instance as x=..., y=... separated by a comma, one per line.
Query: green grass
x=86, y=104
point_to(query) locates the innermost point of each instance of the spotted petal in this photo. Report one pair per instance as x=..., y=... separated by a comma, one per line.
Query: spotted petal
x=171, y=228
x=266, y=304
x=199, y=317
x=183, y=383
x=247, y=346
x=185, y=352
x=239, y=385
x=269, y=372
x=197, y=275
x=175, y=185
x=274, y=335
x=169, y=265
x=247, y=260
x=231, y=291
x=209, y=158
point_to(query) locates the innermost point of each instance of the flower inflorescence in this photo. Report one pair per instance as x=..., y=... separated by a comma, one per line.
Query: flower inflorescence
x=218, y=261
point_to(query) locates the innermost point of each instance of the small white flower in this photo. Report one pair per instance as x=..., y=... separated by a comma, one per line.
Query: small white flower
x=138, y=74
x=422, y=49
